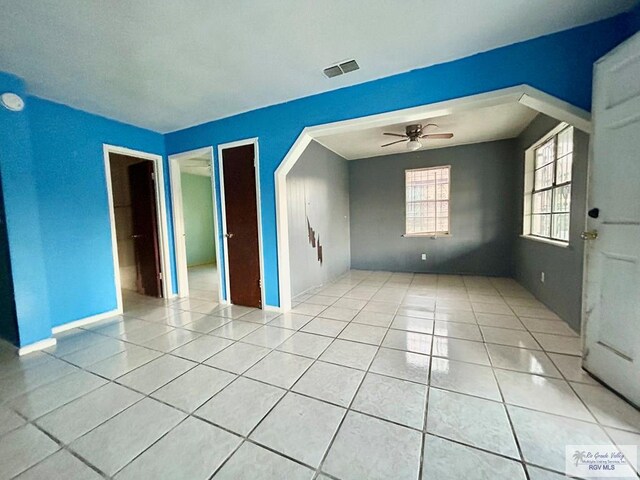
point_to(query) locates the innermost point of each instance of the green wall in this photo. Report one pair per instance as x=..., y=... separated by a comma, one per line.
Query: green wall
x=197, y=200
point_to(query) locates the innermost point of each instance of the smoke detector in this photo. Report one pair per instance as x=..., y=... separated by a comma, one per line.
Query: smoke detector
x=341, y=68
x=12, y=101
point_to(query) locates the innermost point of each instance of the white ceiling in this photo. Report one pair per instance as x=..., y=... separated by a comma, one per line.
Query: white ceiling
x=166, y=65
x=471, y=126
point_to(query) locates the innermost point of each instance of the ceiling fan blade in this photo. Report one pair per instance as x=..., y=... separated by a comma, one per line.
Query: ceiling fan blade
x=437, y=135
x=395, y=135
x=393, y=143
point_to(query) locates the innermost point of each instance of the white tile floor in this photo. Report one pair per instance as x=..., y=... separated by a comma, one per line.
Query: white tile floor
x=376, y=376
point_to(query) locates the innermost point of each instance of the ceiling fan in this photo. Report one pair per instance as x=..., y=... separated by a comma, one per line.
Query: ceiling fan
x=413, y=135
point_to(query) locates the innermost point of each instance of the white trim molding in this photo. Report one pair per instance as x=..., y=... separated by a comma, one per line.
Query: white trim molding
x=524, y=94
x=178, y=218
x=83, y=322
x=37, y=346
x=224, y=146
x=163, y=236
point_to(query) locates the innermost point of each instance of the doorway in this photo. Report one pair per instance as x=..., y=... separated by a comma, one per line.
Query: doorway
x=138, y=224
x=523, y=94
x=240, y=194
x=195, y=225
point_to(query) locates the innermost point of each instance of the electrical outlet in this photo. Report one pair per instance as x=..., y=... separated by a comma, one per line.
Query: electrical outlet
x=424, y=256
x=542, y=277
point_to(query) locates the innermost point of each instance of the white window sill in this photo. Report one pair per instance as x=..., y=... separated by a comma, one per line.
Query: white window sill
x=426, y=235
x=557, y=243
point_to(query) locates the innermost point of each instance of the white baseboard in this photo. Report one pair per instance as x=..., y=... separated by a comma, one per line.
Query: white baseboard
x=85, y=321
x=34, y=347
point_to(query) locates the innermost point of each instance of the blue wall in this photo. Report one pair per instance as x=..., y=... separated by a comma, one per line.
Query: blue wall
x=21, y=206
x=55, y=198
x=74, y=211
x=558, y=64
x=633, y=20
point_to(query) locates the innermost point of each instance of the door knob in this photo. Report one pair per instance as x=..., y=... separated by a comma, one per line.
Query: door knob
x=589, y=235
x=136, y=236
x=228, y=235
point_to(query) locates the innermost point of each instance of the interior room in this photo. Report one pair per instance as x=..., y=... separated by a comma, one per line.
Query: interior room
x=129, y=259
x=349, y=185
x=200, y=243
x=404, y=246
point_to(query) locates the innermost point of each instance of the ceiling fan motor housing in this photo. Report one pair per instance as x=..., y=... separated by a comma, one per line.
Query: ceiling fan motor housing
x=414, y=131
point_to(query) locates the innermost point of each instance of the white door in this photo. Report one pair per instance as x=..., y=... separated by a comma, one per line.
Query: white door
x=612, y=301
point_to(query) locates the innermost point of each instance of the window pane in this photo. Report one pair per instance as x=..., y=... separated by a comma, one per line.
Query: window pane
x=427, y=205
x=542, y=202
x=565, y=142
x=562, y=199
x=563, y=169
x=543, y=177
x=429, y=192
x=560, y=226
x=545, y=154
x=443, y=191
x=428, y=225
x=541, y=225
x=442, y=215
x=548, y=206
x=411, y=225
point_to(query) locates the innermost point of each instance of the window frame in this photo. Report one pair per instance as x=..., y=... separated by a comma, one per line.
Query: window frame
x=530, y=190
x=435, y=234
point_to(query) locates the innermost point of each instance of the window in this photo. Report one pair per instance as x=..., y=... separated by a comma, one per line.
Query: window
x=548, y=186
x=427, y=201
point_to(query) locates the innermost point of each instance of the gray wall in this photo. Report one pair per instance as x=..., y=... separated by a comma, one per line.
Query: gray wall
x=318, y=189
x=563, y=266
x=482, y=212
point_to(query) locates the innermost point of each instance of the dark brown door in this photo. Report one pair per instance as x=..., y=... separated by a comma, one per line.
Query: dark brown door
x=145, y=228
x=242, y=225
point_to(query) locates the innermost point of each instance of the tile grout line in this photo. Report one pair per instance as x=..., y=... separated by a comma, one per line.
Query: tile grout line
x=271, y=350
x=506, y=410
x=349, y=407
x=246, y=437
x=286, y=391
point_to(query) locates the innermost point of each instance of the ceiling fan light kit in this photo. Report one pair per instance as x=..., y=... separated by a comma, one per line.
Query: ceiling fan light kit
x=413, y=145
x=413, y=135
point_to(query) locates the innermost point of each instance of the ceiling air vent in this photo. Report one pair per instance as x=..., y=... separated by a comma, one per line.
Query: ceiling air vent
x=332, y=71
x=344, y=67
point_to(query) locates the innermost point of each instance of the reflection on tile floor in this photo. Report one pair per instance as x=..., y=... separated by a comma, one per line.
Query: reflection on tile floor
x=377, y=375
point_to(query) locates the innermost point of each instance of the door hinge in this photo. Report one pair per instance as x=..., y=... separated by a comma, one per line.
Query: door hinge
x=160, y=276
x=153, y=176
x=260, y=282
